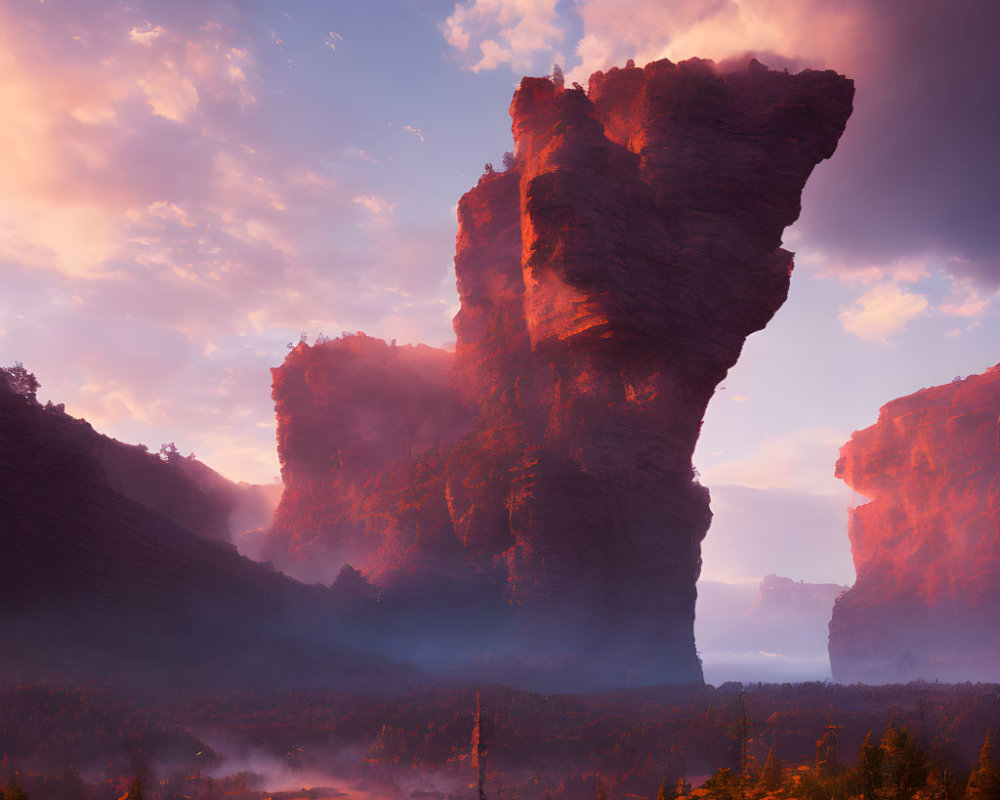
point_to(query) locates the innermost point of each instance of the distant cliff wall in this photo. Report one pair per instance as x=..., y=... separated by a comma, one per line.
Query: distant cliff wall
x=926, y=547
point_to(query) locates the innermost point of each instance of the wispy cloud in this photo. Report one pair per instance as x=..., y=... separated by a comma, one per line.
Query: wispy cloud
x=376, y=205
x=801, y=460
x=160, y=241
x=415, y=131
x=882, y=311
x=911, y=175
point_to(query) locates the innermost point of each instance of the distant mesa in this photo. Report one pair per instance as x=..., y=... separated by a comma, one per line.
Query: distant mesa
x=532, y=495
x=926, y=547
x=774, y=630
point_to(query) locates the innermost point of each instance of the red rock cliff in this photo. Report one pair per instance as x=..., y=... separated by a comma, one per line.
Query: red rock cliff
x=607, y=281
x=927, y=546
x=363, y=430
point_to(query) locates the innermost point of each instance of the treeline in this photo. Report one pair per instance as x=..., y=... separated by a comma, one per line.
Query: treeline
x=895, y=767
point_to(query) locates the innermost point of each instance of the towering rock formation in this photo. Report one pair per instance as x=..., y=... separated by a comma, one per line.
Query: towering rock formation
x=927, y=545
x=607, y=280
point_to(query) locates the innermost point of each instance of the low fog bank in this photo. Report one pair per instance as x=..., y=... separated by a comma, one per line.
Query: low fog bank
x=326, y=744
x=774, y=630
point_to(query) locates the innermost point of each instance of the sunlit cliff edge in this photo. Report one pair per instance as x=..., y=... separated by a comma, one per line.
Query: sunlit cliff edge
x=927, y=545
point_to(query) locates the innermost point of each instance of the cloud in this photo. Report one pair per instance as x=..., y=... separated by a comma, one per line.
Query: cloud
x=332, y=39
x=415, y=131
x=510, y=32
x=145, y=34
x=966, y=299
x=161, y=241
x=802, y=460
x=882, y=311
x=376, y=205
x=785, y=531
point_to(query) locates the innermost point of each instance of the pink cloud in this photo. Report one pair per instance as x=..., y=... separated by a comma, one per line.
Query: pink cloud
x=160, y=243
x=882, y=311
x=510, y=32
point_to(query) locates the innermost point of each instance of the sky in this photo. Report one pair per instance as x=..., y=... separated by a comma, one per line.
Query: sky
x=187, y=187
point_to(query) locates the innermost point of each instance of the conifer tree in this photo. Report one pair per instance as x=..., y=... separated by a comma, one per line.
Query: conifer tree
x=667, y=792
x=770, y=776
x=984, y=782
x=905, y=766
x=868, y=771
x=15, y=792
x=135, y=790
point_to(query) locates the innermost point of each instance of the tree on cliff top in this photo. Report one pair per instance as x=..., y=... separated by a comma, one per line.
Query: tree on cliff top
x=20, y=381
x=557, y=76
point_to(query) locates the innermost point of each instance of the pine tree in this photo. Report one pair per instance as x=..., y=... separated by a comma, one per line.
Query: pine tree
x=135, y=790
x=557, y=76
x=15, y=792
x=984, y=782
x=770, y=776
x=723, y=785
x=667, y=792
x=905, y=766
x=827, y=762
x=868, y=771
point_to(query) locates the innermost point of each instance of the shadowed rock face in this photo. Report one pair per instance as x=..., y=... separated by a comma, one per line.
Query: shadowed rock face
x=607, y=281
x=363, y=431
x=99, y=580
x=927, y=546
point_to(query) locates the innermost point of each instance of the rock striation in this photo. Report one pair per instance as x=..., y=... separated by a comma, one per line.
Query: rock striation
x=926, y=546
x=607, y=282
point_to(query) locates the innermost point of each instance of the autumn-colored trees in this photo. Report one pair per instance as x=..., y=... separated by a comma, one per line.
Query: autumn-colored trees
x=984, y=782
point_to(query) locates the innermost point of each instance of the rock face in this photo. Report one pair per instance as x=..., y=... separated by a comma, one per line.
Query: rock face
x=607, y=281
x=363, y=432
x=927, y=545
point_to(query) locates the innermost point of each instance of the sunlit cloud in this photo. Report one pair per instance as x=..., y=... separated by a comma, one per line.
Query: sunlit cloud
x=376, y=205
x=145, y=33
x=966, y=299
x=882, y=311
x=160, y=245
x=415, y=131
x=332, y=39
x=511, y=32
x=802, y=460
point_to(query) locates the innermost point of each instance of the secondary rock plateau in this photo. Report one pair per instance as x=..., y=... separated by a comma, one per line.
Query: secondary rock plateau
x=927, y=545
